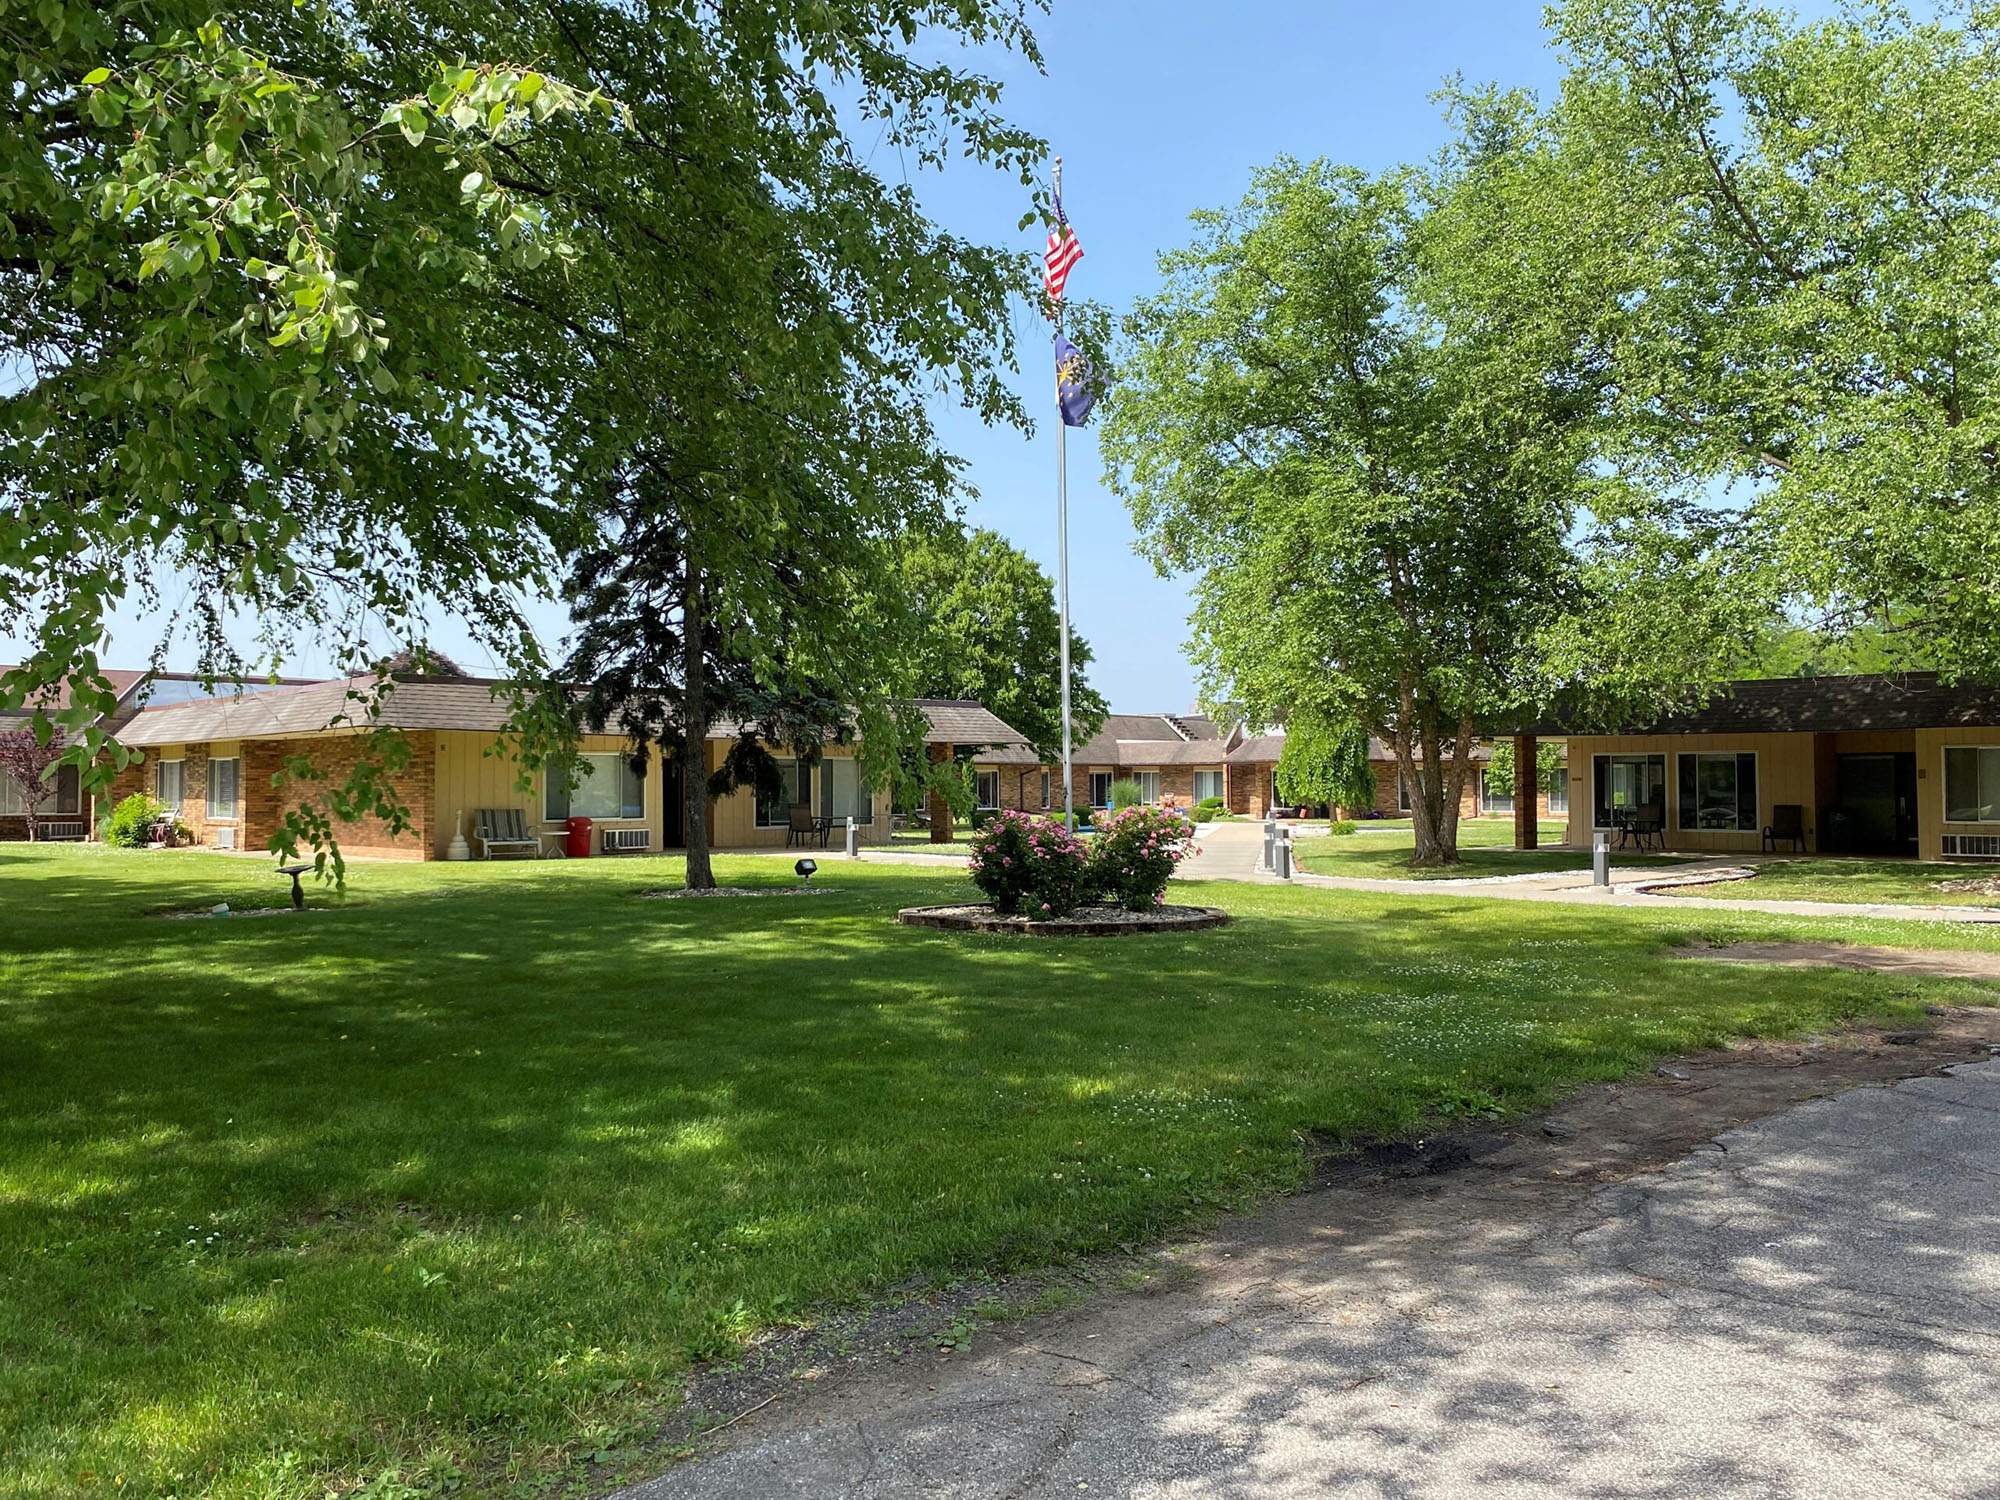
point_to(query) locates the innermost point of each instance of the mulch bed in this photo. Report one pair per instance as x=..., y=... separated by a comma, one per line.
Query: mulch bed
x=1978, y=885
x=746, y=890
x=1086, y=921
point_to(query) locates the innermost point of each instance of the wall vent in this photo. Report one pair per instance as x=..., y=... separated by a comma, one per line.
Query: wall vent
x=627, y=840
x=1972, y=846
x=225, y=838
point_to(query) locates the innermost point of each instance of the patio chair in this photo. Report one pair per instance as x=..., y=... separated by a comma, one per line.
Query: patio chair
x=504, y=828
x=1648, y=825
x=1787, y=825
x=800, y=826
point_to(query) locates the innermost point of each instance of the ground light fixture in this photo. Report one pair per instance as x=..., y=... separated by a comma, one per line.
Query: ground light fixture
x=805, y=869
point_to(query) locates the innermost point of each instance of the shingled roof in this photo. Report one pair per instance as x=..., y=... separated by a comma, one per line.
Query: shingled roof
x=1817, y=705
x=436, y=703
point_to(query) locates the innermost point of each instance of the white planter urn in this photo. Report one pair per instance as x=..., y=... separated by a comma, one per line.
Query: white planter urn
x=458, y=848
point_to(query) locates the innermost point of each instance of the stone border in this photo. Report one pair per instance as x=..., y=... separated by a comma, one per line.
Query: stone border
x=1089, y=921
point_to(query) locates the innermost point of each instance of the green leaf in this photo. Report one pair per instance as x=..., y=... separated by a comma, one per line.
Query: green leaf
x=96, y=76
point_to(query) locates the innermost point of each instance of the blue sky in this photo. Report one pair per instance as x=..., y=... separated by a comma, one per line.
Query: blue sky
x=1158, y=107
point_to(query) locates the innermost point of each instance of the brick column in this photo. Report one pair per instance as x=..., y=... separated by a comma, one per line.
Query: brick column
x=940, y=810
x=1526, y=789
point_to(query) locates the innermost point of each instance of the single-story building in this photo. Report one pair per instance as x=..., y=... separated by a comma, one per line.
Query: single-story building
x=1898, y=764
x=1253, y=767
x=218, y=762
x=1184, y=756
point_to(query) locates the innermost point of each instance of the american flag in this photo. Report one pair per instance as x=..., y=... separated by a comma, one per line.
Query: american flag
x=1065, y=250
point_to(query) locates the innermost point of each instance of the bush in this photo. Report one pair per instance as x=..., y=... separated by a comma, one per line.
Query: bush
x=1340, y=826
x=1029, y=866
x=1126, y=792
x=1206, y=809
x=130, y=824
x=1135, y=852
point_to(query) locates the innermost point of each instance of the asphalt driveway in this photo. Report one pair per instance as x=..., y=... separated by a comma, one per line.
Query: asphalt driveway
x=1806, y=1306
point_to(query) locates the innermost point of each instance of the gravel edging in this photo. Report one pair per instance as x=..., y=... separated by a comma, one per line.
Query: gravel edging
x=1087, y=921
x=744, y=890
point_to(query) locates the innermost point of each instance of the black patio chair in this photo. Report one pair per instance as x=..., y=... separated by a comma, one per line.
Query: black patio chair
x=1787, y=825
x=800, y=826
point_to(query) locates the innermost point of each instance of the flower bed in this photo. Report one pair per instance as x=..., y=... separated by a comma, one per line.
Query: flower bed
x=1035, y=868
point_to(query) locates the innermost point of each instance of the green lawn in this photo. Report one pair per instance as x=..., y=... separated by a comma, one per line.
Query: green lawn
x=1381, y=851
x=452, y=1184
x=1904, y=882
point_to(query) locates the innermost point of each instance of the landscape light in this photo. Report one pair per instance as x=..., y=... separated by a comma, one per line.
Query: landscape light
x=805, y=868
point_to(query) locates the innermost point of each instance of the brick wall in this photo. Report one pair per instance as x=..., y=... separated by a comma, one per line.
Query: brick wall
x=269, y=794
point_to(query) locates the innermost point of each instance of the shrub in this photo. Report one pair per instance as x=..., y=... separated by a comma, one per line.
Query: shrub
x=1340, y=826
x=1029, y=866
x=130, y=824
x=1126, y=792
x=1135, y=852
x=1206, y=809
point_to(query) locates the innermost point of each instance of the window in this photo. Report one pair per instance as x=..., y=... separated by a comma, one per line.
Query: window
x=989, y=788
x=222, y=788
x=170, y=782
x=1100, y=788
x=841, y=793
x=607, y=787
x=1045, y=790
x=1493, y=800
x=1719, y=793
x=1402, y=792
x=65, y=801
x=1972, y=784
x=1622, y=782
x=775, y=810
x=1207, y=784
x=1559, y=789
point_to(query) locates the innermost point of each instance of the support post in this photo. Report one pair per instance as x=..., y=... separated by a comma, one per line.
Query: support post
x=1527, y=785
x=1062, y=559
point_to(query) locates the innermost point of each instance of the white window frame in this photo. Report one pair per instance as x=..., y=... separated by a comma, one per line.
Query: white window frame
x=235, y=802
x=10, y=797
x=1045, y=791
x=1668, y=783
x=1149, y=786
x=1103, y=799
x=1402, y=792
x=980, y=779
x=179, y=763
x=1559, y=791
x=864, y=799
x=1944, y=784
x=620, y=767
x=1199, y=782
x=1735, y=756
x=1489, y=805
x=799, y=782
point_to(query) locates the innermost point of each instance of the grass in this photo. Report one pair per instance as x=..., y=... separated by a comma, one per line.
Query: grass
x=443, y=1191
x=1381, y=851
x=920, y=843
x=1898, y=882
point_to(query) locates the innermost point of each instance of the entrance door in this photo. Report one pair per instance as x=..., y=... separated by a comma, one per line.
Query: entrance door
x=673, y=807
x=1876, y=796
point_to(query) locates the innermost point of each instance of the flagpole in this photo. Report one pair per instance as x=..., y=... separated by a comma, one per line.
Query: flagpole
x=1062, y=565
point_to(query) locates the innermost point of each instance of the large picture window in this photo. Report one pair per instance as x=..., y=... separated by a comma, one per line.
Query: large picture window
x=1496, y=797
x=1624, y=784
x=607, y=787
x=1718, y=793
x=1559, y=790
x=222, y=777
x=987, y=786
x=1149, y=785
x=1100, y=788
x=65, y=802
x=1207, y=784
x=842, y=794
x=1972, y=784
x=170, y=782
x=774, y=810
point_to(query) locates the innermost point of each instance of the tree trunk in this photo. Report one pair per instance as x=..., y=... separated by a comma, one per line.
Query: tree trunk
x=694, y=742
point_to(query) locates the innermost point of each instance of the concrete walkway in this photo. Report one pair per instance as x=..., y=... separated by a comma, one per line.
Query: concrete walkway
x=1232, y=851
x=1806, y=1309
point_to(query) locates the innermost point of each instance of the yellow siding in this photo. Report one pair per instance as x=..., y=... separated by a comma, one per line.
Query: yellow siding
x=1931, y=827
x=1784, y=774
x=732, y=820
x=468, y=778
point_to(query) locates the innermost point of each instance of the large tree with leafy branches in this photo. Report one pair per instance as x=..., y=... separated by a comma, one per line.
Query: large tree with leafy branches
x=331, y=327
x=1362, y=411
x=1809, y=217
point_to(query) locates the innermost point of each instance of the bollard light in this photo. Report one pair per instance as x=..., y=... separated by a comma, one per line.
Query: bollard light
x=805, y=868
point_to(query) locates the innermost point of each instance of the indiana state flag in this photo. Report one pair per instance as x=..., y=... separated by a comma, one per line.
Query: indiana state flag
x=1073, y=392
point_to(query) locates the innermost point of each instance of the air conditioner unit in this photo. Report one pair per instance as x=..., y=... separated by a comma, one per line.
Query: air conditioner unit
x=225, y=838
x=1971, y=846
x=627, y=840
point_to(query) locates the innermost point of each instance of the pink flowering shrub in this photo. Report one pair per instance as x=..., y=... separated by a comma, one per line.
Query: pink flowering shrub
x=1135, y=851
x=1030, y=866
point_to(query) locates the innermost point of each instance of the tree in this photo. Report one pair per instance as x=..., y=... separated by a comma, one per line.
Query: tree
x=314, y=359
x=1362, y=409
x=29, y=761
x=989, y=629
x=1549, y=763
x=1327, y=763
x=1808, y=215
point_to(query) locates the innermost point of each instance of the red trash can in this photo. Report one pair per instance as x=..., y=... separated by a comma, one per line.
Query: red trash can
x=578, y=845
